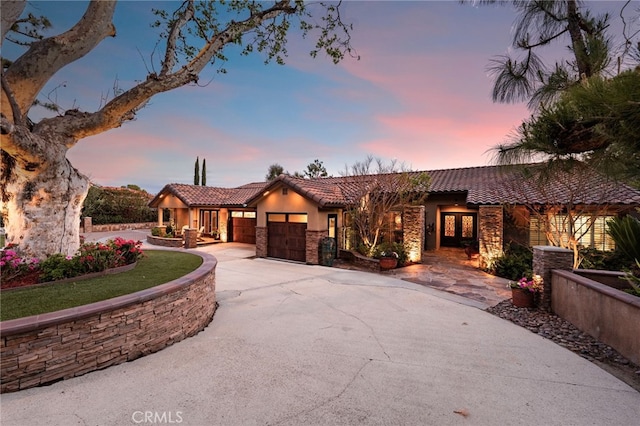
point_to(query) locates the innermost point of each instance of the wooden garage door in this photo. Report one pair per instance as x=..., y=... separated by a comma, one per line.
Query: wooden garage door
x=244, y=230
x=287, y=240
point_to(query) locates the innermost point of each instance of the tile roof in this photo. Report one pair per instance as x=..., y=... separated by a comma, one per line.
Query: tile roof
x=195, y=195
x=482, y=185
x=525, y=185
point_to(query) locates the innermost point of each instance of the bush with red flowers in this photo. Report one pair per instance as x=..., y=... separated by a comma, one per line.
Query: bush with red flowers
x=90, y=257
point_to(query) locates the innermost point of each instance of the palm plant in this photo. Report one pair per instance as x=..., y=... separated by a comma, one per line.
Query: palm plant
x=625, y=232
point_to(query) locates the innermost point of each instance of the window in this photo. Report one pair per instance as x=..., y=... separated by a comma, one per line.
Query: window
x=449, y=226
x=287, y=217
x=248, y=215
x=467, y=226
x=587, y=230
x=209, y=219
x=537, y=237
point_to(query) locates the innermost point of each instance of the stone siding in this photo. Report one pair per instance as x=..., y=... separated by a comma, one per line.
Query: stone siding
x=545, y=260
x=313, y=240
x=164, y=242
x=360, y=260
x=87, y=227
x=46, y=348
x=262, y=236
x=413, y=232
x=490, y=234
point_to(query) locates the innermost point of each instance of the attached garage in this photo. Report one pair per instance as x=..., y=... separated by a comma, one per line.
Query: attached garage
x=286, y=236
x=242, y=227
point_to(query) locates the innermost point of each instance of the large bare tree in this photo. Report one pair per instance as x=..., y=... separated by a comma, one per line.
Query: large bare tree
x=375, y=190
x=42, y=193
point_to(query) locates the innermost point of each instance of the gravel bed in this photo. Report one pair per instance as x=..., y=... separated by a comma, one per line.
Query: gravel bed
x=565, y=334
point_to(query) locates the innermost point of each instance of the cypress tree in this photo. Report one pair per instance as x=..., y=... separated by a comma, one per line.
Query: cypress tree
x=196, y=173
x=204, y=172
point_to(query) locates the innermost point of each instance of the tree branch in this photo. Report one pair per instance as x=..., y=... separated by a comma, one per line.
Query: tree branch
x=174, y=33
x=29, y=73
x=123, y=107
x=10, y=11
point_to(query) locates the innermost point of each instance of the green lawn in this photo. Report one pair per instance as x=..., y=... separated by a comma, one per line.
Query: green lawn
x=157, y=267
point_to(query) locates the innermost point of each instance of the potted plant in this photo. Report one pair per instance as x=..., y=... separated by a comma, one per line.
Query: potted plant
x=524, y=290
x=388, y=260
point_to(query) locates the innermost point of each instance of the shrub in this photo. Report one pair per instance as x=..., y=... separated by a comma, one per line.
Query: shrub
x=59, y=267
x=91, y=257
x=592, y=258
x=515, y=262
x=625, y=232
x=118, y=205
x=633, y=278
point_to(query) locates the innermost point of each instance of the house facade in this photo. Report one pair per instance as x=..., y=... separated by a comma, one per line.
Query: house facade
x=219, y=212
x=289, y=217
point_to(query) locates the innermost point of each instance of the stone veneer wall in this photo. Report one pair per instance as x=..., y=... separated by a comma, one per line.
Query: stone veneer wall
x=545, y=260
x=87, y=226
x=413, y=232
x=46, y=348
x=490, y=234
x=261, y=241
x=313, y=240
x=164, y=242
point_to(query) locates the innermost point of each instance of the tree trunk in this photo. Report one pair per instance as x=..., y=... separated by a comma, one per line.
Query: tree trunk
x=42, y=203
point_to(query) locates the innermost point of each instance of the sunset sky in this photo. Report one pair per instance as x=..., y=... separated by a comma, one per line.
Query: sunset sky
x=420, y=94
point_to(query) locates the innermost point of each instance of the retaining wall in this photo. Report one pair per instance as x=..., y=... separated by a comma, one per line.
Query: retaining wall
x=611, y=316
x=46, y=348
x=164, y=241
x=110, y=227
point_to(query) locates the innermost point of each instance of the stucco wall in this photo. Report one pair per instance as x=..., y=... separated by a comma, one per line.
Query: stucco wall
x=276, y=202
x=59, y=345
x=171, y=202
x=607, y=314
x=436, y=204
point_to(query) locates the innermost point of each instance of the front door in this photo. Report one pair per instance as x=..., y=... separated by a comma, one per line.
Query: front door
x=458, y=227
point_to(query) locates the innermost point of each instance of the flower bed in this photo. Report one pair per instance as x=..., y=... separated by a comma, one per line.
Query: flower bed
x=18, y=271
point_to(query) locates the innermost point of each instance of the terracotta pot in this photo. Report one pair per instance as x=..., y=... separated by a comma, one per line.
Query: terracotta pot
x=522, y=298
x=388, y=263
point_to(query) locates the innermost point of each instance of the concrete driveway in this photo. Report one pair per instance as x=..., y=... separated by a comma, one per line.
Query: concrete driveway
x=294, y=344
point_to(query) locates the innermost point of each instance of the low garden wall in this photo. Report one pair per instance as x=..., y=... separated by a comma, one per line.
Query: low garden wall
x=360, y=260
x=610, y=278
x=87, y=226
x=609, y=315
x=164, y=241
x=46, y=348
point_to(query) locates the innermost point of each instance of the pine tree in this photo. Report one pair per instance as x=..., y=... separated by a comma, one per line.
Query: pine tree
x=204, y=172
x=196, y=173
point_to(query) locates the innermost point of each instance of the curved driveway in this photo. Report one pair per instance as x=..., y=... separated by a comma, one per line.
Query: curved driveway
x=294, y=344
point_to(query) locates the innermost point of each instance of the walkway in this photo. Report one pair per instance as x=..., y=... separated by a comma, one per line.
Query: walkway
x=294, y=344
x=450, y=270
